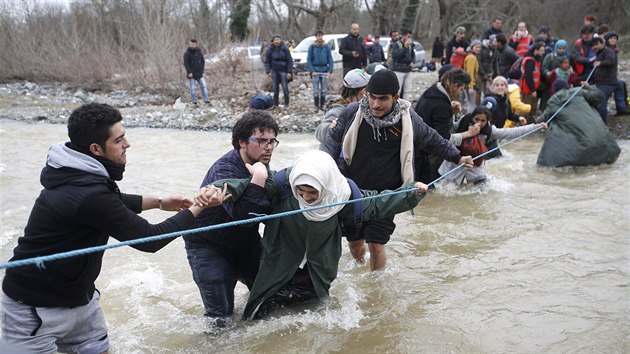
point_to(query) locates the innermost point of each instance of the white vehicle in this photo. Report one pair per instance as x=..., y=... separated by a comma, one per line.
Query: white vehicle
x=247, y=55
x=300, y=52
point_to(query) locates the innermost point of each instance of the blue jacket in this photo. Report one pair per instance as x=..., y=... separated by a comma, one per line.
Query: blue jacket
x=279, y=59
x=402, y=57
x=319, y=58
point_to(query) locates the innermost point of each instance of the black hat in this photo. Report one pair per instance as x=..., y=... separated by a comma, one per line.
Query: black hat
x=383, y=82
x=443, y=70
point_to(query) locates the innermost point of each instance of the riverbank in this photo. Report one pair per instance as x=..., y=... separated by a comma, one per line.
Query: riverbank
x=53, y=103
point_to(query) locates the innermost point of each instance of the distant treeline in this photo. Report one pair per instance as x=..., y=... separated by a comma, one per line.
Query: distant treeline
x=101, y=44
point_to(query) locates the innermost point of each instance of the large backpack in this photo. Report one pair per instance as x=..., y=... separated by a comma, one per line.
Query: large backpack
x=284, y=191
x=457, y=58
x=517, y=65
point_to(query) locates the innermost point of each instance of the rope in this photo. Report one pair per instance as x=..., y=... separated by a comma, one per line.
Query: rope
x=39, y=261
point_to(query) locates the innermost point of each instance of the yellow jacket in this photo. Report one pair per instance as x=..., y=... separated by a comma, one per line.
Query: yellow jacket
x=518, y=106
x=471, y=65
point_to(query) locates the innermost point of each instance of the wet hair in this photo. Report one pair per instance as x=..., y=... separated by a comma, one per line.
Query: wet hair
x=90, y=124
x=454, y=76
x=482, y=110
x=248, y=123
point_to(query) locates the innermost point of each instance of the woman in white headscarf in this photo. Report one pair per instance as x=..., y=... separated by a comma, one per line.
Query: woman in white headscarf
x=301, y=251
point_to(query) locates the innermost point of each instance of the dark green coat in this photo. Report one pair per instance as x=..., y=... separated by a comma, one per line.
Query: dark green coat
x=577, y=135
x=287, y=239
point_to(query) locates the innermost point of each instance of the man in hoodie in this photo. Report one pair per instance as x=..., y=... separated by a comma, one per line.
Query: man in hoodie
x=354, y=55
x=403, y=61
x=379, y=139
x=194, y=64
x=55, y=306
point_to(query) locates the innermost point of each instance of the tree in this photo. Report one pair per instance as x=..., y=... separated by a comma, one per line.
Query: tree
x=238, y=20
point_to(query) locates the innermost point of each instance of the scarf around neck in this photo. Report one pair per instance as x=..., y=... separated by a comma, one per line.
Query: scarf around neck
x=400, y=111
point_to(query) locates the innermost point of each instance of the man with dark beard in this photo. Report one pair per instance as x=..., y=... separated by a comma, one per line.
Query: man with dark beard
x=55, y=306
x=220, y=258
x=379, y=139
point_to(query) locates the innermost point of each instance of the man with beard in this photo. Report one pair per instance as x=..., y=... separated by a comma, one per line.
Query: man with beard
x=55, y=306
x=220, y=258
x=354, y=55
x=379, y=139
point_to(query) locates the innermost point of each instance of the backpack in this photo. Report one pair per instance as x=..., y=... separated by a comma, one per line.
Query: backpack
x=260, y=101
x=457, y=58
x=474, y=147
x=284, y=191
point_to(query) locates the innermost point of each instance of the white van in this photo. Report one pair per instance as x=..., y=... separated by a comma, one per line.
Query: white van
x=300, y=52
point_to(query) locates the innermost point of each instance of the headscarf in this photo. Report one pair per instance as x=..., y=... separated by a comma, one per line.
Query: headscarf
x=561, y=43
x=318, y=170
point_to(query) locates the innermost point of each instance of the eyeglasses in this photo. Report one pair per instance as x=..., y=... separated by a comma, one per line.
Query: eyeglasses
x=265, y=143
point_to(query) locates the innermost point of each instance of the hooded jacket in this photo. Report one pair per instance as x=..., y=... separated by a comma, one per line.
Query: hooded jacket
x=434, y=106
x=194, y=62
x=79, y=207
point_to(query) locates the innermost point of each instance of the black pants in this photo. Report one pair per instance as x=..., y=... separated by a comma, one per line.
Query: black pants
x=298, y=290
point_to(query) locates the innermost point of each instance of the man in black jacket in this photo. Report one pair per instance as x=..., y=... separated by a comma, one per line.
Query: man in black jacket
x=605, y=76
x=55, y=307
x=354, y=55
x=194, y=64
x=379, y=139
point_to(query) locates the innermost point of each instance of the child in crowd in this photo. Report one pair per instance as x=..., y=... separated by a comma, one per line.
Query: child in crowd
x=564, y=72
x=475, y=146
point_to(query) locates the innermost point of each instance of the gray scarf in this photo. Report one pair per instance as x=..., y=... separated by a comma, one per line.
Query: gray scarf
x=381, y=123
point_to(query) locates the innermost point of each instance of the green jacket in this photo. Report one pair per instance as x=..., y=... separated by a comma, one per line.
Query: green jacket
x=577, y=135
x=286, y=240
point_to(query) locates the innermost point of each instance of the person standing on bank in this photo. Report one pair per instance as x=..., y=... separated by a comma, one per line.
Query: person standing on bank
x=320, y=64
x=404, y=60
x=194, y=64
x=377, y=141
x=56, y=307
x=354, y=55
x=279, y=67
x=220, y=258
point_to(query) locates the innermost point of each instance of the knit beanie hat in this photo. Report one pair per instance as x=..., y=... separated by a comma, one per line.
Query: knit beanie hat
x=383, y=82
x=489, y=102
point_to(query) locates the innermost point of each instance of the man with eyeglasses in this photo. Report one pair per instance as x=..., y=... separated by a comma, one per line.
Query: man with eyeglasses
x=219, y=258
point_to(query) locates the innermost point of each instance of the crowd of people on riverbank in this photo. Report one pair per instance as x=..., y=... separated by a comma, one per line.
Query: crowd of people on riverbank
x=373, y=142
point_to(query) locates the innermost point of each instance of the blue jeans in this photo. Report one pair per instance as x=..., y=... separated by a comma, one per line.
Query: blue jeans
x=320, y=84
x=216, y=279
x=602, y=108
x=202, y=86
x=280, y=78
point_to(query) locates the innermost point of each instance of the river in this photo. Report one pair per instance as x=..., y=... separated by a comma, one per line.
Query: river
x=538, y=262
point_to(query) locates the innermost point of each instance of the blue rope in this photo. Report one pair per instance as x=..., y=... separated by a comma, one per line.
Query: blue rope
x=39, y=261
